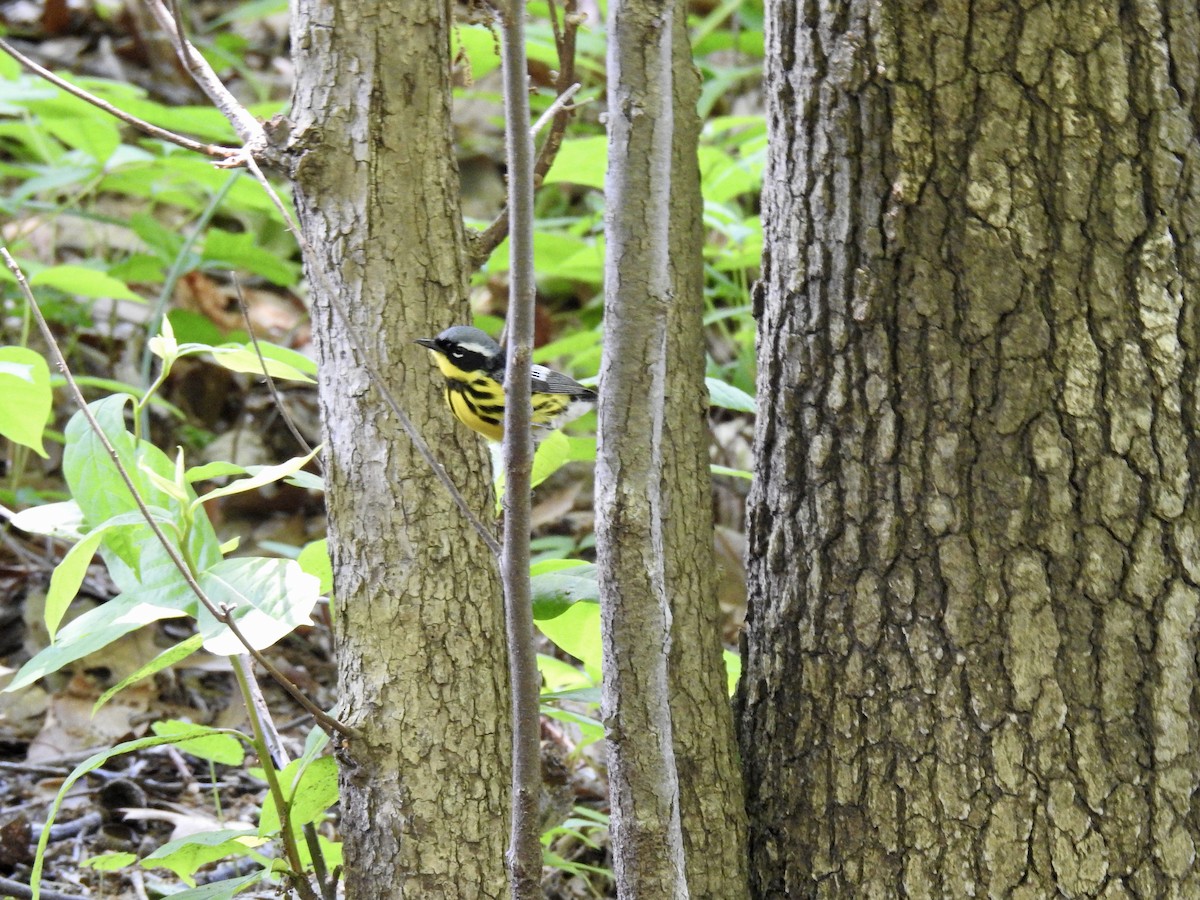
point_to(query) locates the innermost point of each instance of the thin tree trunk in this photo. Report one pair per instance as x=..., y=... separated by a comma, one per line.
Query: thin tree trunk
x=644, y=790
x=974, y=553
x=711, y=803
x=419, y=626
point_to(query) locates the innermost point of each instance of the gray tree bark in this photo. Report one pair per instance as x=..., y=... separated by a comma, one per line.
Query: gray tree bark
x=711, y=802
x=419, y=624
x=636, y=619
x=971, y=655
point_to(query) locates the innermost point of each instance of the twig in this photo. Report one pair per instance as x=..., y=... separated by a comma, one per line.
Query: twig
x=187, y=143
x=279, y=404
x=552, y=110
x=524, y=849
x=373, y=375
x=482, y=243
x=16, y=889
x=248, y=128
x=223, y=616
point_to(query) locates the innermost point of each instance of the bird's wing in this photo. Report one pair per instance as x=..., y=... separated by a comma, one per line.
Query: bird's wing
x=547, y=381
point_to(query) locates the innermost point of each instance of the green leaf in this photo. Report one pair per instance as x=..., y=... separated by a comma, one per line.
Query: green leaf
x=555, y=592
x=61, y=520
x=67, y=577
x=478, y=44
x=280, y=363
x=186, y=855
x=95, y=630
x=551, y=454
x=727, y=396
x=581, y=161
x=577, y=631
x=110, y=862
x=314, y=559
x=271, y=597
x=733, y=670
x=84, y=282
x=218, y=745
x=310, y=787
x=25, y=397
x=164, y=660
x=242, y=251
x=221, y=890
x=97, y=136
x=260, y=477
x=102, y=494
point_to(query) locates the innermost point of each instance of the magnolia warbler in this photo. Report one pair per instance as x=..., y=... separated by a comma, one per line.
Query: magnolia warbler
x=473, y=365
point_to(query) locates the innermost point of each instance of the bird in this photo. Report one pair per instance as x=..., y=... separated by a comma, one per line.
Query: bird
x=473, y=366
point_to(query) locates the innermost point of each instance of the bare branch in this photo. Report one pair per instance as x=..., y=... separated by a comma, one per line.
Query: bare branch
x=524, y=848
x=553, y=108
x=248, y=128
x=145, y=127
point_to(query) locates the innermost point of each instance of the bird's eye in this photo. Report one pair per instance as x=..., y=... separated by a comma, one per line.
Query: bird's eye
x=456, y=354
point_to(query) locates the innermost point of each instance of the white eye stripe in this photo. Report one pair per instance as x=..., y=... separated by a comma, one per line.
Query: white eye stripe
x=476, y=348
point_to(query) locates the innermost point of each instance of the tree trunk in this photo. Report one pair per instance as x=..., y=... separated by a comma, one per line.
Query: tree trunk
x=419, y=624
x=711, y=804
x=643, y=784
x=974, y=558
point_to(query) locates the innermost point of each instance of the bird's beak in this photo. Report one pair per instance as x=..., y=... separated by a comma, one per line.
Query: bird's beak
x=429, y=343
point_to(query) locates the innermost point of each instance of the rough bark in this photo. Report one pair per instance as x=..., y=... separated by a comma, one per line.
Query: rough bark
x=974, y=562
x=711, y=803
x=419, y=626
x=643, y=785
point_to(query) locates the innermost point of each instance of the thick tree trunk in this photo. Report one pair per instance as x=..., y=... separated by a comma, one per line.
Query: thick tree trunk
x=711, y=803
x=419, y=626
x=975, y=528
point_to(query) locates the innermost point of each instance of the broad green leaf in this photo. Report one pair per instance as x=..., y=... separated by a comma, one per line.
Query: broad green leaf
x=727, y=396
x=314, y=559
x=244, y=359
x=733, y=670
x=66, y=579
x=555, y=592
x=242, y=251
x=581, y=161
x=164, y=660
x=310, y=786
x=271, y=597
x=216, y=745
x=84, y=282
x=102, y=493
x=260, y=477
x=558, y=675
x=477, y=44
x=94, y=630
x=25, y=397
x=110, y=862
x=186, y=855
x=221, y=890
x=577, y=631
x=61, y=520
x=97, y=136
x=551, y=455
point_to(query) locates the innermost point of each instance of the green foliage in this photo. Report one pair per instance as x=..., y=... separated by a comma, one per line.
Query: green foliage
x=24, y=397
